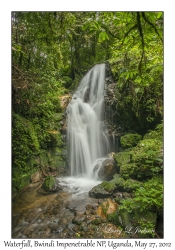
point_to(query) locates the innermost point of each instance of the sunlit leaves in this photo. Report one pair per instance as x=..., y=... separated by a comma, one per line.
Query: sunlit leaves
x=103, y=36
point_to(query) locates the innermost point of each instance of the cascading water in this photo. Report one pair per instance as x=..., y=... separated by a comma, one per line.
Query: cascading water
x=87, y=139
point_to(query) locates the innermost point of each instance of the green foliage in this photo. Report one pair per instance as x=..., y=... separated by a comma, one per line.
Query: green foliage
x=155, y=134
x=148, y=197
x=113, y=217
x=144, y=206
x=35, y=127
x=143, y=161
x=122, y=158
x=25, y=140
x=129, y=140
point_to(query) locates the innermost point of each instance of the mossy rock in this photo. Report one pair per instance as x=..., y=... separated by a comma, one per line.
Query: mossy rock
x=117, y=184
x=50, y=184
x=97, y=221
x=100, y=191
x=129, y=140
x=122, y=185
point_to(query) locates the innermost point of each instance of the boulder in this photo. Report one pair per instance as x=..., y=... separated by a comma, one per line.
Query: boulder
x=99, y=192
x=107, y=170
x=106, y=207
x=117, y=184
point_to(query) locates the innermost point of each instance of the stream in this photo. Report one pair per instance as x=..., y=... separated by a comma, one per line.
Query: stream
x=37, y=214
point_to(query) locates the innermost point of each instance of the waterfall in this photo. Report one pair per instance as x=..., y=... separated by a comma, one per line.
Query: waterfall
x=86, y=135
x=87, y=138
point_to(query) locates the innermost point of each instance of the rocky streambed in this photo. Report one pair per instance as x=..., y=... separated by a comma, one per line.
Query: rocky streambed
x=37, y=214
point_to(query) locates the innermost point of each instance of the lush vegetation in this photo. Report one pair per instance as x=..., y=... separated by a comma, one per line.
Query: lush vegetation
x=51, y=51
x=138, y=187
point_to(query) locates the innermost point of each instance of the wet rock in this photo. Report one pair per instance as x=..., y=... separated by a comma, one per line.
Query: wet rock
x=86, y=95
x=79, y=219
x=70, y=234
x=48, y=231
x=63, y=221
x=90, y=218
x=56, y=220
x=79, y=213
x=90, y=212
x=118, y=197
x=36, y=177
x=107, y=170
x=75, y=229
x=85, y=229
x=64, y=100
x=89, y=206
x=60, y=229
x=96, y=221
x=98, y=235
x=71, y=226
x=107, y=207
x=99, y=192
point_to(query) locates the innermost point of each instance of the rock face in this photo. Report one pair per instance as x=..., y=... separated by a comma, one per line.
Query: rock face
x=107, y=170
x=110, y=111
x=64, y=100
